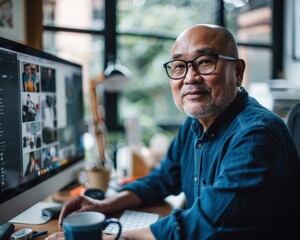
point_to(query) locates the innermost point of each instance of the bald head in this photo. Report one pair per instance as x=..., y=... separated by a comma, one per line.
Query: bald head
x=218, y=40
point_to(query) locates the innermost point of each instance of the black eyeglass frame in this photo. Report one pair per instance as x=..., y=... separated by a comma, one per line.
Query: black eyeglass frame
x=215, y=55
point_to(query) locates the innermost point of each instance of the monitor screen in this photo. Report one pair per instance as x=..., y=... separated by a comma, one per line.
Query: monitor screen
x=41, y=125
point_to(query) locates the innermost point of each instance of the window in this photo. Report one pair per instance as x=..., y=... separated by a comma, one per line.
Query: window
x=251, y=24
x=64, y=35
x=74, y=14
x=141, y=38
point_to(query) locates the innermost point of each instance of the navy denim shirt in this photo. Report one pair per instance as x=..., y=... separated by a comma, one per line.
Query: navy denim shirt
x=241, y=178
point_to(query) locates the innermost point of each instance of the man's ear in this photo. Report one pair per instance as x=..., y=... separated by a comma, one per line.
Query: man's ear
x=239, y=71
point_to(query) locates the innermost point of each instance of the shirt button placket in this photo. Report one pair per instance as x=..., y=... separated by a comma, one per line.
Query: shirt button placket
x=199, y=146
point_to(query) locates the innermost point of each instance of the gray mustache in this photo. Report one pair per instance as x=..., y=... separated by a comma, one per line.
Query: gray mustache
x=187, y=89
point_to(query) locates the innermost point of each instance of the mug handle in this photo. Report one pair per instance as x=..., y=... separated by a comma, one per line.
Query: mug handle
x=116, y=221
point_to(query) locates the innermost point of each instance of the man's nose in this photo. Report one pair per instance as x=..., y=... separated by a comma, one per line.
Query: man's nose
x=191, y=75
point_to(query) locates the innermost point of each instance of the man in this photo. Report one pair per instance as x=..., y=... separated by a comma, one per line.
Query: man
x=29, y=110
x=234, y=160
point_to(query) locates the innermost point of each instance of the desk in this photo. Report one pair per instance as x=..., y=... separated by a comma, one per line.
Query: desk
x=162, y=209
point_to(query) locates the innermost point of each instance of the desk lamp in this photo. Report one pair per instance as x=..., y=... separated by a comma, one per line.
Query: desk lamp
x=114, y=78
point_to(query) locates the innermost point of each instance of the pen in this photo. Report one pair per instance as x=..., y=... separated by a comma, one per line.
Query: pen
x=37, y=234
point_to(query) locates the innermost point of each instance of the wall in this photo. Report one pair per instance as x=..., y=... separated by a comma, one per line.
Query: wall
x=291, y=67
x=26, y=27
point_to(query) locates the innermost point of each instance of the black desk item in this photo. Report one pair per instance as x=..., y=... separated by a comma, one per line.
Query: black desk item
x=95, y=193
x=52, y=212
x=6, y=229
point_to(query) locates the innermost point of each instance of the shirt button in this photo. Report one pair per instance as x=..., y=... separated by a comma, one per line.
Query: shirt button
x=212, y=135
x=196, y=180
x=199, y=145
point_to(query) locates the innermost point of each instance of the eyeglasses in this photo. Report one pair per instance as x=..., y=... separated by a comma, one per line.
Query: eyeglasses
x=204, y=64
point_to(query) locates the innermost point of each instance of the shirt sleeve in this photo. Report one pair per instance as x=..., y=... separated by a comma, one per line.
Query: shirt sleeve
x=228, y=208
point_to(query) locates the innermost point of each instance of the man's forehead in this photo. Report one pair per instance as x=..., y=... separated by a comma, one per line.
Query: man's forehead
x=197, y=40
x=177, y=53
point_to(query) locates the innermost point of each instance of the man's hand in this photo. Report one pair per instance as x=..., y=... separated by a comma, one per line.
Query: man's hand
x=80, y=204
x=56, y=236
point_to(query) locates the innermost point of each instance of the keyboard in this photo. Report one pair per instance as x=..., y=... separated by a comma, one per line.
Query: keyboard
x=132, y=220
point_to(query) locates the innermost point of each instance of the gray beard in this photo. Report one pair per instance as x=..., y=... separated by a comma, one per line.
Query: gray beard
x=212, y=109
x=204, y=112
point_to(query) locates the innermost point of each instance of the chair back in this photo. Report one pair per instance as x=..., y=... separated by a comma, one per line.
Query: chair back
x=293, y=123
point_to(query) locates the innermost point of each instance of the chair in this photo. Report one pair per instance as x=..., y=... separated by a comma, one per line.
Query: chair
x=293, y=123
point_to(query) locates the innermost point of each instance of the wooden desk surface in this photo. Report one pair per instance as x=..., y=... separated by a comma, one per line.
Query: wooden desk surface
x=162, y=209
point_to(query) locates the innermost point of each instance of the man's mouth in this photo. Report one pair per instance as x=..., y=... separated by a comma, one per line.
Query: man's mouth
x=195, y=93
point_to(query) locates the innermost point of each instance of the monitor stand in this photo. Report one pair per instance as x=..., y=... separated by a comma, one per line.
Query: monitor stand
x=33, y=215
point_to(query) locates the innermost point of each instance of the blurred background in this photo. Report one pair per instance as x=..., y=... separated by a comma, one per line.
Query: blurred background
x=140, y=33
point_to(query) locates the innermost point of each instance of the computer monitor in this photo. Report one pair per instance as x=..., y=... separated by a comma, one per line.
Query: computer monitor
x=41, y=126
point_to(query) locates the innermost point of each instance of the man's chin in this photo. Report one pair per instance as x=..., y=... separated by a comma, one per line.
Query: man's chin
x=196, y=113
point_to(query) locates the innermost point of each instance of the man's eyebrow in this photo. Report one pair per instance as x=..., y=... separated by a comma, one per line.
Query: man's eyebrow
x=204, y=50
x=176, y=56
x=198, y=51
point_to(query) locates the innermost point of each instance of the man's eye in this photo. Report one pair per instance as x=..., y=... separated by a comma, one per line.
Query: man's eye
x=178, y=66
x=205, y=61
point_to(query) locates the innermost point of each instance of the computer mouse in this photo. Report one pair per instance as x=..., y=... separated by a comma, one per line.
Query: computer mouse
x=95, y=193
x=52, y=212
